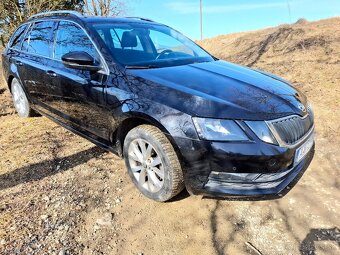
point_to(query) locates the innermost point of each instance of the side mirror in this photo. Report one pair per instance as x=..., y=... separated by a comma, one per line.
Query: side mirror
x=80, y=60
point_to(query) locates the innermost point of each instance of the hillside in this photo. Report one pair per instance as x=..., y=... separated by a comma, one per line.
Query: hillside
x=320, y=40
x=305, y=53
x=59, y=194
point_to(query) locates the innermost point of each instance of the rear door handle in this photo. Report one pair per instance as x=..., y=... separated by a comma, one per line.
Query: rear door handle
x=19, y=63
x=51, y=73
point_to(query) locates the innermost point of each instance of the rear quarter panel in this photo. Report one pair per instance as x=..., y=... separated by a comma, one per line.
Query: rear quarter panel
x=4, y=66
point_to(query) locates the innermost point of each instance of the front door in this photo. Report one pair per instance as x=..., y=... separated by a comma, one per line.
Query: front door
x=81, y=94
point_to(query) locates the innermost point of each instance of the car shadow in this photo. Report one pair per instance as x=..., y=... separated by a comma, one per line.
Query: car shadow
x=38, y=171
x=307, y=246
x=181, y=196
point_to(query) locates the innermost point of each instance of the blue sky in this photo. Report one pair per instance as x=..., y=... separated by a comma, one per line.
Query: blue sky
x=228, y=16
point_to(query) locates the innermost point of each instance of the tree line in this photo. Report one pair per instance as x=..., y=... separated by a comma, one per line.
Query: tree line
x=14, y=12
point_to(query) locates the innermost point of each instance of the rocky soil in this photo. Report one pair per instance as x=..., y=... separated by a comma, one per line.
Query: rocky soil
x=59, y=194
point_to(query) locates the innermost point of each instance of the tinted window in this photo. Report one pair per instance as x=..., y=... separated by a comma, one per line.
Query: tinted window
x=17, y=37
x=38, y=41
x=70, y=37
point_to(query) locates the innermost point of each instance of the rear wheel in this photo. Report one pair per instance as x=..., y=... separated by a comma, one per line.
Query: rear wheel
x=20, y=101
x=152, y=163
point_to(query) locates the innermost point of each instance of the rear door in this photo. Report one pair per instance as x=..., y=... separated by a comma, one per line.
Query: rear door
x=34, y=60
x=11, y=55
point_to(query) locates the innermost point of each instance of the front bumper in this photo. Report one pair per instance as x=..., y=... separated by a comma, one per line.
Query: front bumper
x=253, y=170
x=256, y=185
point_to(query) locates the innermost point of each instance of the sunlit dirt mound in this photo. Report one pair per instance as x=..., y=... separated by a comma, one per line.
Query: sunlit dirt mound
x=313, y=40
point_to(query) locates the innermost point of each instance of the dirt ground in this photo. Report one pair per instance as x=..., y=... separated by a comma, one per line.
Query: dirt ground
x=59, y=194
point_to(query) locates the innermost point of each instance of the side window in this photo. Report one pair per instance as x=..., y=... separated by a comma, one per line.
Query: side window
x=17, y=37
x=39, y=39
x=70, y=37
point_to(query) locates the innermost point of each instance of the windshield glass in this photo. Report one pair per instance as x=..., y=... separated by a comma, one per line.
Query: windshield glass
x=139, y=45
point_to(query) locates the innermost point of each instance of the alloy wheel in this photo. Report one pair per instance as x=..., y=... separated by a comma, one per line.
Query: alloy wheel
x=19, y=99
x=146, y=165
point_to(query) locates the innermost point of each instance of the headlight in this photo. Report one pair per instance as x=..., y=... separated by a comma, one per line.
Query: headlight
x=219, y=130
x=262, y=131
x=310, y=110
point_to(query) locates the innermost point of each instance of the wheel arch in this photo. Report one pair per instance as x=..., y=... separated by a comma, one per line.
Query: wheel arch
x=9, y=81
x=132, y=121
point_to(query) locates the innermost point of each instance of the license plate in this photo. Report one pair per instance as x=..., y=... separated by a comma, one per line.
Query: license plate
x=301, y=152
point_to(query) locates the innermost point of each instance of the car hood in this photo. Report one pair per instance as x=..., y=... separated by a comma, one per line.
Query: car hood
x=220, y=89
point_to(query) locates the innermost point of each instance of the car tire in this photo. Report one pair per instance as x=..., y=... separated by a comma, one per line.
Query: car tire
x=20, y=101
x=156, y=170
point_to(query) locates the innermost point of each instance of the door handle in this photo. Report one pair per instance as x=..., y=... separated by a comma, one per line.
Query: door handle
x=19, y=63
x=51, y=73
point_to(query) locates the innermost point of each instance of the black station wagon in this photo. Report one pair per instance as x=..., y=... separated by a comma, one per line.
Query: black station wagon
x=177, y=115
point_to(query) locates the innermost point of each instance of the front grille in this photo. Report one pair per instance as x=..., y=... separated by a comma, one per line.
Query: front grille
x=291, y=129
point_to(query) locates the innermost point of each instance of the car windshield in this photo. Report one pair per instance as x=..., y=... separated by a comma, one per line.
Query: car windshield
x=140, y=45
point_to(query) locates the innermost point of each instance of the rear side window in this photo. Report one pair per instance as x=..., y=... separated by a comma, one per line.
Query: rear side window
x=39, y=40
x=70, y=37
x=17, y=37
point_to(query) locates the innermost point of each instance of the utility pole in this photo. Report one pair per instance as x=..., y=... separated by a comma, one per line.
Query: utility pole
x=201, y=20
x=289, y=12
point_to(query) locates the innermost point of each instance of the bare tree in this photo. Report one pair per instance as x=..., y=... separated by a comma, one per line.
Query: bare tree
x=14, y=12
x=104, y=7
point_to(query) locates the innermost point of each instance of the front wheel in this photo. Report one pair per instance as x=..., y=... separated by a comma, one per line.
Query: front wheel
x=20, y=101
x=152, y=163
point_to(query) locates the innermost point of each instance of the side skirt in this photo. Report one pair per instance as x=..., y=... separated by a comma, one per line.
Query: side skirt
x=92, y=138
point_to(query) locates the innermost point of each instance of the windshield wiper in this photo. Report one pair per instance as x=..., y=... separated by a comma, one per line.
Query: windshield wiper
x=142, y=67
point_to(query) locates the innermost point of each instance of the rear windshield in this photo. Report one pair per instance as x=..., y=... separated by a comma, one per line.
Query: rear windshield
x=139, y=44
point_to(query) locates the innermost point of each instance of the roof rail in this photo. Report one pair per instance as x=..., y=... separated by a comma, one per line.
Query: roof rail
x=141, y=18
x=50, y=13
